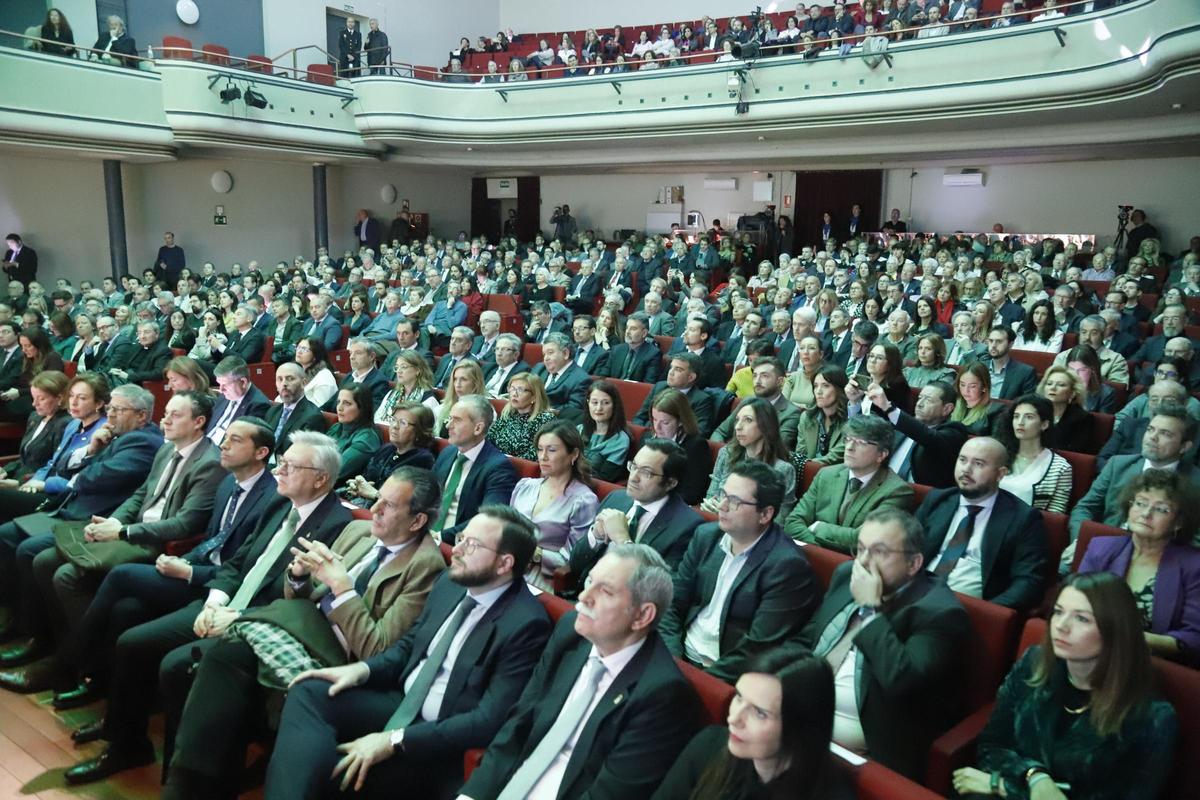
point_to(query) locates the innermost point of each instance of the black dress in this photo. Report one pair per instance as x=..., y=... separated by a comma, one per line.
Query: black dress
x=61, y=41
x=1073, y=432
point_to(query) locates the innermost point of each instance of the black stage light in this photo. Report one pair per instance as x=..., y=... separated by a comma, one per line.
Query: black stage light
x=230, y=93
x=255, y=99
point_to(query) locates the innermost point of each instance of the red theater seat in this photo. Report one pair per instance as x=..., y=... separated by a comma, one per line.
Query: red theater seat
x=525, y=468
x=633, y=394
x=1090, y=529
x=321, y=74
x=714, y=693
x=532, y=354
x=1083, y=472
x=877, y=782
x=1039, y=361
x=177, y=47
x=215, y=54
x=263, y=376
x=259, y=63
x=811, y=468
x=823, y=561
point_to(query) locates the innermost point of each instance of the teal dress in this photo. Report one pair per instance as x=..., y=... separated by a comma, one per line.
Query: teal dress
x=64, y=347
x=357, y=443
x=1034, y=727
x=607, y=456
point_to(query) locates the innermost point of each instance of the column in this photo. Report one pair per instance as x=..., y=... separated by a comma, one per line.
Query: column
x=114, y=202
x=320, y=209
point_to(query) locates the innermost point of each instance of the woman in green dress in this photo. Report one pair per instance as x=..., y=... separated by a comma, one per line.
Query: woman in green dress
x=931, y=363
x=354, y=431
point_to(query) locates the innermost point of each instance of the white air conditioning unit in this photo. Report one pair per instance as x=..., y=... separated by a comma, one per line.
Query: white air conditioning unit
x=966, y=177
x=721, y=184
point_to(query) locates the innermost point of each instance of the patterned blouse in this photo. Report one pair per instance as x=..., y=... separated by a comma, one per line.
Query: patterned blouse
x=1144, y=598
x=514, y=433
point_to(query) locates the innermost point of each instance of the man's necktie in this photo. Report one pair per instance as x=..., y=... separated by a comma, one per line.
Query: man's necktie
x=958, y=542
x=414, y=698
x=452, y=481
x=531, y=771
x=206, y=548
x=634, y=520
x=258, y=573
x=364, y=577
x=165, y=483
x=283, y=420
x=852, y=491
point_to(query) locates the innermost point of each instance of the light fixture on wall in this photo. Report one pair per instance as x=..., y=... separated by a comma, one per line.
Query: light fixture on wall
x=221, y=182
x=387, y=193
x=255, y=99
x=230, y=93
x=187, y=12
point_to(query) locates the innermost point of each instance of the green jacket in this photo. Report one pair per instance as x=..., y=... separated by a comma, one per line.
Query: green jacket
x=823, y=502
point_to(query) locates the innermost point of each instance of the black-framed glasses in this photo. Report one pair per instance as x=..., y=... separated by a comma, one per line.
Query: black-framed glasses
x=284, y=466
x=645, y=473
x=880, y=551
x=470, y=544
x=732, y=501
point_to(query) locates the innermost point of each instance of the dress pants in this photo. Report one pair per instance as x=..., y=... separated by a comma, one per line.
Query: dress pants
x=64, y=591
x=129, y=595
x=33, y=619
x=312, y=726
x=15, y=503
x=162, y=651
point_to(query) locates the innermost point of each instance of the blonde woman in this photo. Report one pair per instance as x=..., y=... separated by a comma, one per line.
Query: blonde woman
x=465, y=379
x=1072, y=428
x=526, y=411
x=413, y=384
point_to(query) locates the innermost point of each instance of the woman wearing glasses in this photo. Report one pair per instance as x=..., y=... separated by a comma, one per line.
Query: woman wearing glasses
x=1157, y=561
x=410, y=437
x=561, y=502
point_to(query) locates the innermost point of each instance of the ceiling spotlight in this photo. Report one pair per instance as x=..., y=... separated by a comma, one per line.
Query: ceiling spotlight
x=230, y=93
x=255, y=99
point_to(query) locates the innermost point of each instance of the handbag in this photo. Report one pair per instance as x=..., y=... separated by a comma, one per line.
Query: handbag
x=96, y=556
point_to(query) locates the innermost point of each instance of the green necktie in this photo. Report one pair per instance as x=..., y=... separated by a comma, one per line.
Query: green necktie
x=410, y=706
x=634, y=520
x=452, y=482
x=258, y=573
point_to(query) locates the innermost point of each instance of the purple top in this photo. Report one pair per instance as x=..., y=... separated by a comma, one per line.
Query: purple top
x=1176, y=587
x=560, y=524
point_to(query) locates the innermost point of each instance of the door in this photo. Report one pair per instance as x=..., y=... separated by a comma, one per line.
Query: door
x=485, y=212
x=334, y=22
x=835, y=192
x=529, y=207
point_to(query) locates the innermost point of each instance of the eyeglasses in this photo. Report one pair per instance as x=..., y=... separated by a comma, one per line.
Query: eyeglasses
x=471, y=544
x=879, y=551
x=733, y=502
x=119, y=409
x=1158, y=509
x=854, y=441
x=1166, y=373
x=645, y=473
x=284, y=466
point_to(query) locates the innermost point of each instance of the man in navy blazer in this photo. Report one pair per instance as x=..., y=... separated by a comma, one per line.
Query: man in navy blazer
x=663, y=520
x=582, y=290
x=485, y=476
x=362, y=370
x=588, y=354
x=566, y=384
x=321, y=324
x=246, y=341
x=146, y=591
x=472, y=694
x=719, y=617
x=984, y=541
x=636, y=359
x=1018, y=378
x=239, y=397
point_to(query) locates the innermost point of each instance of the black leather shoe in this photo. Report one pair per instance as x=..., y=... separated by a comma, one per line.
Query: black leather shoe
x=22, y=653
x=37, y=677
x=92, y=732
x=86, y=693
x=109, y=763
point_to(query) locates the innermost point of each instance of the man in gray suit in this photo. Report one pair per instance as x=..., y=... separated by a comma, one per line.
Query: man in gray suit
x=1169, y=436
x=661, y=323
x=769, y=376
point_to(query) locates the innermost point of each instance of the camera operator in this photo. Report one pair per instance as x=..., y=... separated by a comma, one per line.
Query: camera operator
x=564, y=224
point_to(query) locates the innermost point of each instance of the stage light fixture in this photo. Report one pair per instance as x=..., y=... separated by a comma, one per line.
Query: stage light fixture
x=230, y=93
x=255, y=99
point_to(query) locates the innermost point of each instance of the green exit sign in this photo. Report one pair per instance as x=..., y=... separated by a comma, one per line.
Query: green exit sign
x=220, y=219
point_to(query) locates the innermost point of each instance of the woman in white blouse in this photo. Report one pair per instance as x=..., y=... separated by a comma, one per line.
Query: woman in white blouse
x=1039, y=330
x=319, y=382
x=1038, y=475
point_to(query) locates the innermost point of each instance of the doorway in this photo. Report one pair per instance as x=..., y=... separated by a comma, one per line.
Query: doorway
x=835, y=192
x=490, y=215
x=335, y=21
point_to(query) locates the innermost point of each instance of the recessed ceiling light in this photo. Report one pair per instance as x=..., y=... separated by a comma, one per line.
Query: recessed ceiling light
x=762, y=138
x=1176, y=106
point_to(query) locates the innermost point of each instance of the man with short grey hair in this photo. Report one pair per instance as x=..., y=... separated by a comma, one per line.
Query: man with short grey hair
x=607, y=647
x=461, y=339
x=472, y=471
x=483, y=349
x=505, y=365
x=382, y=330
x=147, y=361
x=1113, y=366
x=245, y=341
x=566, y=383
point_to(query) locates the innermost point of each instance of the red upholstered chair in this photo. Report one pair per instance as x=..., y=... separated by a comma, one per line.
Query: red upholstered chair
x=635, y=431
x=525, y=469
x=714, y=449
x=823, y=561
x=382, y=430
x=268, y=348
x=329, y=416
x=664, y=343
x=532, y=354
x=360, y=513
x=714, y=693
x=341, y=360
x=439, y=445
x=919, y=492
x=1039, y=361
x=215, y=54
x=1102, y=429
x=876, y=782
x=605, y=488
x=1090, y=529
x=263, y=376
x=497, y=405
x=321, y=74
x=556, y=607
x=177, y=47
x=811, y=468
x=70, y=368
x=1058, y=537
x=633, y=394
x=259, y=63
x=159, y=390
x=447, y=552
x=1083, y=472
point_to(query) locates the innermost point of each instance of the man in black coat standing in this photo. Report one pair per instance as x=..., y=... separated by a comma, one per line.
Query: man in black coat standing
x=170, y=261
x=349, y=52
x=20, y=261
x=378, y=52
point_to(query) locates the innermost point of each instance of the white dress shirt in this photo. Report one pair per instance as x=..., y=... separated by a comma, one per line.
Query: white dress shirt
x=154, y=512
x=702, y=644
x=967, y=575
x=471, y=456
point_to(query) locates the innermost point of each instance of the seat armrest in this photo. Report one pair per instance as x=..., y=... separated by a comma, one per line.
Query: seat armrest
x=955, y=749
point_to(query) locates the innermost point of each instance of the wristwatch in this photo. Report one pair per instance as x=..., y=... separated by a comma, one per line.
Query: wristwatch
x=397, y=740
x=123, y=533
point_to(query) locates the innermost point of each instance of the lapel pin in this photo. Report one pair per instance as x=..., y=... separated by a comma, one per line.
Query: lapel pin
x=617, y=700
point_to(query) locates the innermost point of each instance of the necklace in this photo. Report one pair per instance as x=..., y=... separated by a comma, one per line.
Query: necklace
x=1082, y=708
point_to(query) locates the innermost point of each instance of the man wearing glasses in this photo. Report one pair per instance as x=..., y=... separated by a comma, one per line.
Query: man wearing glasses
x=743, y=586
x=894, y=636
x=505, y=364
x=648, y=510
x=446, y=686
x=167, y=648
x=113, y=350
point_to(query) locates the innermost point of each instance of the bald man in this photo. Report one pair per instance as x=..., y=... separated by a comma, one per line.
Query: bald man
x=985, y=541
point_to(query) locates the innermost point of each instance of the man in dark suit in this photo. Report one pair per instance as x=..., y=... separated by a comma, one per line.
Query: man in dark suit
x=284, y=331
x=838, y=340
x=506, y=364
x=542, y=324
x=132, y=594
x=114, y=349
x=166, y=648
x=743, y=586
x=419, y=706
x=20, y=261
x=842, y=495
x=321, y=324
x=343, y=602
x=926, y=442
x=294, y=413
x=636, y=359
x=461, y=339
x=12, y=361
x=116, y=462
x=483, y=346
x=116, y=42
x=648, y=510
x=1172, y=321
x=407, y=338
x=895, y=637
x=148, y=359
x=769, y=379
x=682, y=375
x=566, y=384
x=174, y=502
x=362, y=370
x=1010, y=378
x=711, y=370
x=349, y=58
x=736, y=352
x=245, y=341
x=607, y=675
x=984, y=541
x=472, y=471
x=583, y=289
x=239, y=397
x=589, y=356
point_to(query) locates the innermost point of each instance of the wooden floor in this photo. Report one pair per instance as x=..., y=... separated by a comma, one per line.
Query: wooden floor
x=36, y=748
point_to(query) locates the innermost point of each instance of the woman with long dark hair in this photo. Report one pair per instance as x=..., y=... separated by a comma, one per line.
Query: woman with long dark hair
x=755, y=436
x=17, y=403
x=775, y=743
x=605, y=432
x=1098, y=396
x=57, y=31
x=1037, y=475
x=319, y=382
x=671, y=418
x=1039, y=330
x=1079, y=709
x=354, y=430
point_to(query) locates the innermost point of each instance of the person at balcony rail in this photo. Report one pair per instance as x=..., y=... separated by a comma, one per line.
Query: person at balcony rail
x=118, y=46
x=57, y=33
x=377, y=48
x=349, y=49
